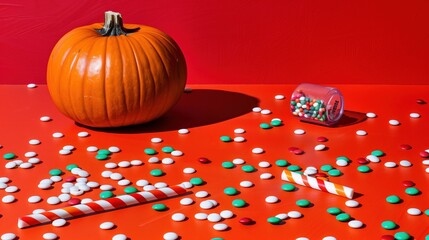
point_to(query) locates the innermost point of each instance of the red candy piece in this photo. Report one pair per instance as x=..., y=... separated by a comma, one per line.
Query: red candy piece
x=362, y=160
x=408, y=183
x=246, y=221
x=70, y=179
x=204, y=160
x=292, y=149
x=405, y=147
x=73, y=201
x=387, y=237
x=424, y=154
x=298, y=151
x=421, y=101
x=321, y=139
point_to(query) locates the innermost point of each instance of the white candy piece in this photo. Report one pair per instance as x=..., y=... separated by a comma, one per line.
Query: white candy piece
x=201, y=194
x=8, y=199
x=414, y=211
x=57, y=135
x=59, y=222
x=82, y=134
x=279, y=97
x=341, y=163
x=239, y=161
x=170, y=236
x=271, y=199
x=156, y=140
x=361, y=133
x=256, y=109
x=373, y=158
x=282, y=216
x=183, y=131
x=206, y=204
x=178, y=217
x=265, y=176
x=226, y=214
x=265, y=111
x=34, y=199
x=177, y=153
x=114, y=149
x=257, y=150
x=371, y=115
x=50, y=236
x=92, y=149
x=246, y=184
x=107, y=225
x=352, y=203
x=405, y=163
x=124, y=164
x=45, y=119
x=186, y=201
x=136, y=162
x=120, y=237
x=239, y=139
x=220, y=226
x=214, y=217
x=201, y=216
x=264, y=164
x=167, y=161
x=355, y=224
x=8, y=236
x=299, y=132
x=390, y=164
x=320, y=147
x=189, y=170
x=34, y=142
x=394, y=122
x=239, y=130
x=294, y=214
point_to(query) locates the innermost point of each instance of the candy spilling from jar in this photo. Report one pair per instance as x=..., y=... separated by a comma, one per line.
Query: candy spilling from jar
x=309, y=108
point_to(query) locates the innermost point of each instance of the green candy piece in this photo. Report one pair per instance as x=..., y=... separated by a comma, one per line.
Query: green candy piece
x=293, y=168
x=282, y=163
x=239, y=203
x=217, y=238
x=276, y=123
x=377, y=153
x=274, y=220
x=104, y=151
x=167, y=149
x=303, y=203
x=101, y=156
x=265, y=126
x=150, y=151
x=248, y=168
x=228, y=165
x=334, y=173
x=55, y=172
x=130, y=189
x=225, y=138
x=106, y=194
x=9, y=156
x=230, y=191
x=334, y=211
x=288, y=187
x=197, y=181
x=427, y=212
x=71, y=166
x=364, y=169
x=389, y=225
x=156, y=172
x=393, y=199
x=412, y=191
x=326, y=168
x=343, y=217
x=402, y=236
x=159, y=207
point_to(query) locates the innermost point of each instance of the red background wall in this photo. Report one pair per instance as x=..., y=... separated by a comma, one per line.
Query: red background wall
x=241, y=41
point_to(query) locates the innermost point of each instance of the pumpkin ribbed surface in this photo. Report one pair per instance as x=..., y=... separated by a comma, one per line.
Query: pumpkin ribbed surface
x=111, y=81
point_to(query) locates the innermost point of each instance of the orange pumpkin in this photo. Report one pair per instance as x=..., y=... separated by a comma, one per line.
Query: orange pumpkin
x=115, y=75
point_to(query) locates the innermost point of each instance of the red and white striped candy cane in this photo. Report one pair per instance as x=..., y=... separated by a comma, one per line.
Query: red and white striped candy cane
x=318, y=184
x=100, y=206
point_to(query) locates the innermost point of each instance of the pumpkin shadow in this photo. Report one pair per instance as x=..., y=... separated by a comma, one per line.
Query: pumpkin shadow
x=198, y=108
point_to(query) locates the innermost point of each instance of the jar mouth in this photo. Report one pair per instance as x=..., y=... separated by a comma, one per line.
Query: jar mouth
x=334, y=106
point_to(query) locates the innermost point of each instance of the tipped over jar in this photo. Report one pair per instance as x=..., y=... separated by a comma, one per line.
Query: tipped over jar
x=317, y=104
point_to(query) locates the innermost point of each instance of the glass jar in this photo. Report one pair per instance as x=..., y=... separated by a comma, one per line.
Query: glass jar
x=317, y=104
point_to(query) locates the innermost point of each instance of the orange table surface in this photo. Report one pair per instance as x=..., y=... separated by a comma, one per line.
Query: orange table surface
x=209, y=112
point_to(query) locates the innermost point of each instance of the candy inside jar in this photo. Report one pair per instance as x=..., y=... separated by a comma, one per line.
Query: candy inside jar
x=317, y=104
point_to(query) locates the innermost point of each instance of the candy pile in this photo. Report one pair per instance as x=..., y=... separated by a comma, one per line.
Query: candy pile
x=232, y=171
x=306, y=107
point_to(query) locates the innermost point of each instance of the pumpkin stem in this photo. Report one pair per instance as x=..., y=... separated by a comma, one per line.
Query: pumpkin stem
x=113, y=25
